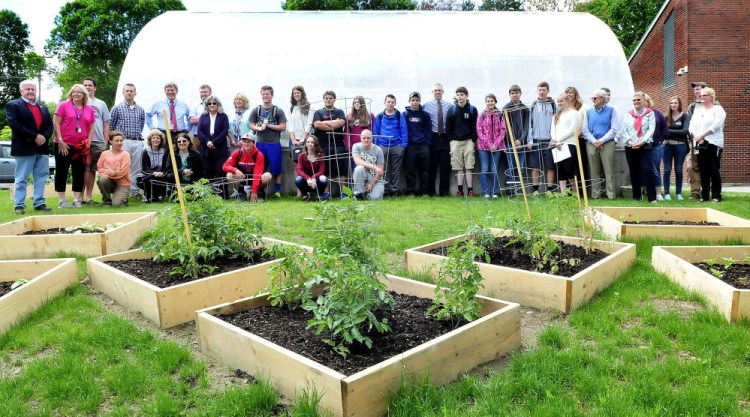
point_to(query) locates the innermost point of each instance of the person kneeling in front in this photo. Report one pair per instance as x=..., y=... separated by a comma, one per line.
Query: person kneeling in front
x=245, y=169
x=368, y=172
x=114, y=172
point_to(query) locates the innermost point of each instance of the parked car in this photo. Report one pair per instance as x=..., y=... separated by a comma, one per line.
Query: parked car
x=8, y=164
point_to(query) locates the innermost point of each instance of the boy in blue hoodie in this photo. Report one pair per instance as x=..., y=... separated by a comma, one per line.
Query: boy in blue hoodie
x=392, y=137
x=419, y=128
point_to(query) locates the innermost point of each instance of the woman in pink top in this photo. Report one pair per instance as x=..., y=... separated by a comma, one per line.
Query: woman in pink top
x=74, y=129
x=114, y=172
x=491, y=132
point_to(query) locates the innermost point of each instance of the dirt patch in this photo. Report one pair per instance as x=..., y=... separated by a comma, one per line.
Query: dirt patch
x=736, y=275
x=5, y=287
x=685, y=309
x=160, y=273
x=533, y=321
x=568, y=259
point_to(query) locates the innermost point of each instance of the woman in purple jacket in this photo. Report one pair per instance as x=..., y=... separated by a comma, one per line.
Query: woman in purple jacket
x=213, y=129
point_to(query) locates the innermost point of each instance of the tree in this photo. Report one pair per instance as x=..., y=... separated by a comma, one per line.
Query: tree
x=348, y=5
x=628, y=19
x=456, y=5
x=550, y=5
x=502, y=5
x=14, y=42
x=92, y=37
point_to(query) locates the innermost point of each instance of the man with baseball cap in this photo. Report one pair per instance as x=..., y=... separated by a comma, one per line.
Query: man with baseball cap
x=419, y=132
x=245, y=170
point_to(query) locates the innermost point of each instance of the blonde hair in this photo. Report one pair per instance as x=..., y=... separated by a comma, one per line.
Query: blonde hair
x=83, y=90
x=564, y=98
x=245, y=100
x=709, y=91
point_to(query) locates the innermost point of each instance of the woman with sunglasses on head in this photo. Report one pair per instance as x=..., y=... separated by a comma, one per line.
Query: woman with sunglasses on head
x=189, y=162
x=707, y=127
x=638, y=127
x=74, y=129
x=213, y=128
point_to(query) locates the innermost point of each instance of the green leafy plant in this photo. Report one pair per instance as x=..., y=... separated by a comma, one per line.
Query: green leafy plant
x=345, y=264
x=18, y=283
x=459, y=280
x=533, y=236
x=288, y=284
x=216, y=230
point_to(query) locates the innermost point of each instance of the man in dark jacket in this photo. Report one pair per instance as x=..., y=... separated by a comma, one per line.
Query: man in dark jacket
x=462, y=131
x=31, y=127
x=419, y=130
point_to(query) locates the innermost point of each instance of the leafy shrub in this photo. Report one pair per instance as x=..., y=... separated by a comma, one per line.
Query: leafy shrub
x=533, y=236
x=216, y=230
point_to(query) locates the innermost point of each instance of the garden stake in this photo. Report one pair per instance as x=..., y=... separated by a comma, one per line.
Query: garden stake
x=518, y=165
x=583, y=179
x=578, y=197
x=180, y=198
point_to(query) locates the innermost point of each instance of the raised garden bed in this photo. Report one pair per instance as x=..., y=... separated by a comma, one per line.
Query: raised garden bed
x=46, y=279
x=620, y=222
x=536, y=289
x=677, y=262
x=175, y=304
x=363, y=393
x=14, y=244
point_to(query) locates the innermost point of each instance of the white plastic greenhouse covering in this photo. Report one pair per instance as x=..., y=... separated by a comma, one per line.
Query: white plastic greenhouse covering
x=375, y=53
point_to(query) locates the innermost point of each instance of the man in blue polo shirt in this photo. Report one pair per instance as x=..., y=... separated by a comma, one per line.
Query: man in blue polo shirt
x=600, y=130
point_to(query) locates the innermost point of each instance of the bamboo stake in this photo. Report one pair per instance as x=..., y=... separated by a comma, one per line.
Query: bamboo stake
x=176, y=173
x=583, y=178
x=509, y=129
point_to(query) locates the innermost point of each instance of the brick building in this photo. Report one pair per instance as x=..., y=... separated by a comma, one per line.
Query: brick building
x=705, y=41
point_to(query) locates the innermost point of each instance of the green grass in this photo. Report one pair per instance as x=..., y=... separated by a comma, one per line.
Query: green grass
x=622, y=354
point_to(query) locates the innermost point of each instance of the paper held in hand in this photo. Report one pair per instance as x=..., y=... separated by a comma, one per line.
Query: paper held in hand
x=560, y=154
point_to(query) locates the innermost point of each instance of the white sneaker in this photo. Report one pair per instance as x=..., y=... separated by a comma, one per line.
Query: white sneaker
x=494, y=195
x=76, y=204
x=486, y=196
x=64, y=204
x=659, y=197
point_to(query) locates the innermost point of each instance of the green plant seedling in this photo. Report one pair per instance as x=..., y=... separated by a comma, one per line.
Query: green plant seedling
x=18, y=283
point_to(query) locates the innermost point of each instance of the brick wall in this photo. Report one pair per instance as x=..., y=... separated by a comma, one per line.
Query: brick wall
x=713, y=39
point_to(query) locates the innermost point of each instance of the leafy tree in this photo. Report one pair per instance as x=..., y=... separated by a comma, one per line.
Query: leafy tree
x=550, y=5
x=456, y=5
x=35, y=64
x=14, y=42
x=348, y=5
x=628, y=19
x=92, y=37
x=502, y=5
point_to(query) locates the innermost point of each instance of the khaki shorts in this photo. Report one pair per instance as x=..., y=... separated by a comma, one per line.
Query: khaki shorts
x=96, y=151
x=462, y=154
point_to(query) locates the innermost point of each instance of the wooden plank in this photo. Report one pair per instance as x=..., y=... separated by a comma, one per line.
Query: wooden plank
x=59, y=274
x=443, y=359
x=289, y=372
x=178, y=304
x=586, y=284
x=125, y=236
x=636, y=214
x=682, y=272
x=127, y=290
x=17, y=227
x=726, y=219
x=741, y=308
x=26, y=269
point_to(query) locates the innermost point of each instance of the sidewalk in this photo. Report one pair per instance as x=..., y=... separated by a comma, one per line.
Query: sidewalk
x=736, y=188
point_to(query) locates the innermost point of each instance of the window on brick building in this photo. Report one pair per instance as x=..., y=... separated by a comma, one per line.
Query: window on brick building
x=669, y=60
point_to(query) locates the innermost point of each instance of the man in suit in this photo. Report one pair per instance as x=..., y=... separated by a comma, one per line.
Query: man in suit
x=31, y=127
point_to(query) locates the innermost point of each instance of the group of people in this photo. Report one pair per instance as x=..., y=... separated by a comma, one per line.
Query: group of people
x=431, y=141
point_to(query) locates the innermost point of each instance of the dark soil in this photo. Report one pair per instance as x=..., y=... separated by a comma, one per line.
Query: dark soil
x=57, y=231
x=159, y=273
x=410, y=328
x=738, y=275
x=5, y=287
x=675, y=223
x=510, y=256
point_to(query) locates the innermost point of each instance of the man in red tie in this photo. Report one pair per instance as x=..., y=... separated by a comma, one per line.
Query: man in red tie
x=178, y=112
x=440, y=156
x=31, y=127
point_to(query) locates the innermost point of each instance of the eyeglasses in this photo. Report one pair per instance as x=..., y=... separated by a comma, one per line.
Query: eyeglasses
x=213, y=103
x=635, y=100
x=594, y=98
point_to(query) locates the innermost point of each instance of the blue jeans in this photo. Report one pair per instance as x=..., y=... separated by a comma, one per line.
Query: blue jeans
x=511, y=175
x=36, y=165
x=678, y=154
x=489, y=163
x=656, y=154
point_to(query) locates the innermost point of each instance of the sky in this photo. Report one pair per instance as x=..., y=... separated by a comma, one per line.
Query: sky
x=39, y=15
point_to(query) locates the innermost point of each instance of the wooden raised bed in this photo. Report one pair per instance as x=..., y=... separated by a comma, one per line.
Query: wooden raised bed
x=536, y=289
x=15, y=245
x=612, y=223
x=364, y=393
x=676, y=262
x=177, y=304
x=47, y=278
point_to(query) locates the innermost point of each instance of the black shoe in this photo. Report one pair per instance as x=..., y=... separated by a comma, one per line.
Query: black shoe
x=42, y=207
x=20, y=210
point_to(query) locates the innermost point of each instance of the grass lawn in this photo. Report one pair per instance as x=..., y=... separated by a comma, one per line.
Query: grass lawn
x=643, y=347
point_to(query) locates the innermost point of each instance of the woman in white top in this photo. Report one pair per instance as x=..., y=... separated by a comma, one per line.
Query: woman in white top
x=638, y=127
x=299, y=124
x=565, y=124
x=707, y=127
